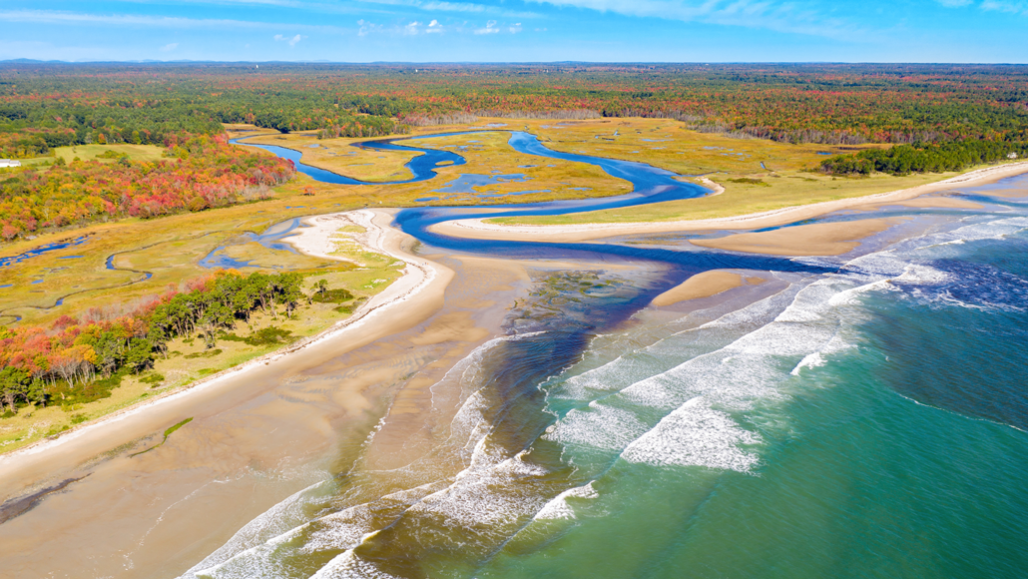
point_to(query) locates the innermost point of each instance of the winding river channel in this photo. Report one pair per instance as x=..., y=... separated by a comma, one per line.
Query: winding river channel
x=649, y=185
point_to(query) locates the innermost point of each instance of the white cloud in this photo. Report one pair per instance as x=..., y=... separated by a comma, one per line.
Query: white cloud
x=490, y=28
x=434, y=27
x=444, y=6
x=367, y=28
x=515, y=29
x=73, y=18
x=291, y=40
x=1008, y=6
x=169, y=47
x=802, y=16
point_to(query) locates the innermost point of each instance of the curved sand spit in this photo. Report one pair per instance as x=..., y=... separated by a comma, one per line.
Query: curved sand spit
x=421, y=284
x=479, y=229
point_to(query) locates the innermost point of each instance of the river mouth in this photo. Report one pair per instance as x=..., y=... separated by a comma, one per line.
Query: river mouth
x=547, y=409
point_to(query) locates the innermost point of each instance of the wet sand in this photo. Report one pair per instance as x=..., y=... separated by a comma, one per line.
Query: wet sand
x=803, y=240
x=479, y=229
x=256, y=437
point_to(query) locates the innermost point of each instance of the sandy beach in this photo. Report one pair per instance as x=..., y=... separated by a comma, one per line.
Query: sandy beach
x=404, y=303
x=259, y=432
x=480, y=229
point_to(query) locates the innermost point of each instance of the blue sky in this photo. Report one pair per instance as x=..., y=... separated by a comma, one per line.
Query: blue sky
x=518, y=30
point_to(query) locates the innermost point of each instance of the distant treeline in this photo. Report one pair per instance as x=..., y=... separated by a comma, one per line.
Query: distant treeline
x=80, y=360
x=817, y=103
x=925, y=157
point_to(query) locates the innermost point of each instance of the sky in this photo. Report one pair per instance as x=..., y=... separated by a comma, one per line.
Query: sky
x=958, y=31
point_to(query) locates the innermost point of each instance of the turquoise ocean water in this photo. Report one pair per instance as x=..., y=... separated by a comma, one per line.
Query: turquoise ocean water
x=869, y=423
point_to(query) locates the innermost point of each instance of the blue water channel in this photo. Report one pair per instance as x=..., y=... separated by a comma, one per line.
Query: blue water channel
x=16, y=259
x=422, y=166
x=649, y=185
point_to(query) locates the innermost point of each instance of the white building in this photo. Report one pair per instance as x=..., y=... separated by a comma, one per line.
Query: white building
x=9, y=163
x=1012, y=156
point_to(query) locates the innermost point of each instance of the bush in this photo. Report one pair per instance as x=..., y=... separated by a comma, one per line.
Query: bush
x=268, y=337
x=333, y=296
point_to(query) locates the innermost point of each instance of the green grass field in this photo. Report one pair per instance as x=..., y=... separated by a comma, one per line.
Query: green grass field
x=96, y=152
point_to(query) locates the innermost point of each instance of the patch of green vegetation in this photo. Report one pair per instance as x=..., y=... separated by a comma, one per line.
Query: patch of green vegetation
x=73, y=398
x=78, y=418
x=153, y=378
x=204, y=354
x=351, y=307
x=332, y=296
x=269, y=336
x=748, y=181
x=57, y=430
x=167, y=433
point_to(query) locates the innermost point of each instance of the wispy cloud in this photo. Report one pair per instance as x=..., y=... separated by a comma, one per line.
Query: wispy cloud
x=290, y=40
x=800, y=16
x=74, y=18
x=1008, y=6
x=490, y=28
x=434, y=27
x=169, y=47
x=459, y=7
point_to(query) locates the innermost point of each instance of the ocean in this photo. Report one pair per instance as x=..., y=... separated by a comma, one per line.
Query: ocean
x=861, y=416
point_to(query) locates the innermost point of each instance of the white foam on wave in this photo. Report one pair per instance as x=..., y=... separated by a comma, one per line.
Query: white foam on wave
x=599, y=426
x=256, y=534
x=627, y=368
x=558, y=507
x=349, y=566
x=682, y=416
x=695, y=435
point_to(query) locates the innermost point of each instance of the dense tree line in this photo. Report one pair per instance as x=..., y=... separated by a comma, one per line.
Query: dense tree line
x=199, y=173
x=925, y=157
x=798, y=103
x=76, y=360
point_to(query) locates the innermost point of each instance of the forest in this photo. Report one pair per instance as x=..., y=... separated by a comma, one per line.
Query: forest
x=199, y=172
x=819, y=103
x=926, y=157
x=79, y=360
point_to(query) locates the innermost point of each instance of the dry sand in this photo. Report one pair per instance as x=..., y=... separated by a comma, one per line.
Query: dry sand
x=406, y=302
x=479, y=229
x=701, y=285
x=815, y=239
x=258, y=435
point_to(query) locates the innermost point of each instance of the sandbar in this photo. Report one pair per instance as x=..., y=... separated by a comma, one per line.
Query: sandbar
x=480, y=229
x=701, y=285
x=803, y=240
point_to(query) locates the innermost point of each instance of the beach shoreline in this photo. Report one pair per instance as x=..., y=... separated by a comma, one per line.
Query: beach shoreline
x=478, y=228
x=407, y=301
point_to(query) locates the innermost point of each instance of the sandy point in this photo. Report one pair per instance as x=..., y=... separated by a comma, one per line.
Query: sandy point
x=407, y=302
x=480, y=229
